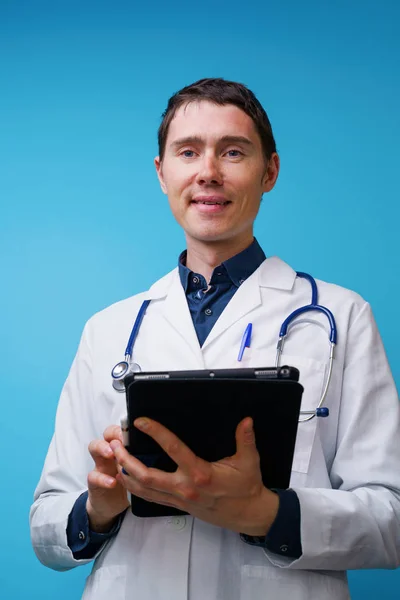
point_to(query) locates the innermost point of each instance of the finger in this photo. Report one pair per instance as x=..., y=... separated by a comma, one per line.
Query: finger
x=113, y=432
x=176, y=485
x=246, y=448
x=170, y=483
x=151, y=495
x=174, y=447
x=98, y=480
x=100, y=450
x=129, y=463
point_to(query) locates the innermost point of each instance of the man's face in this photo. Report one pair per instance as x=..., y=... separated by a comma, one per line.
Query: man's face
x=214, y=171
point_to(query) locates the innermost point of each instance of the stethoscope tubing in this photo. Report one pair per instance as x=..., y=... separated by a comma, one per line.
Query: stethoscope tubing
x=135, y=330
x=320, y=411
x=121, y=369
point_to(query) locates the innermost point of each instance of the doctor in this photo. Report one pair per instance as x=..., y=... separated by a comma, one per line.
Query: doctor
x=217, y=157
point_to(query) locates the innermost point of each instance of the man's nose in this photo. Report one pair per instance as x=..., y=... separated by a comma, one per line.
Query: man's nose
x=209, y=171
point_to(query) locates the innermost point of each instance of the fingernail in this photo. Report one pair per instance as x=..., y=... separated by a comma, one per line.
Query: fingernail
x=249, y=433
x=249, y=427
x=109, y=481
x=141, y=423
x=115, y=444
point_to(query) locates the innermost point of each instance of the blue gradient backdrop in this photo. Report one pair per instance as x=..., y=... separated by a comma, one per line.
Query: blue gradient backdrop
x=83, y=222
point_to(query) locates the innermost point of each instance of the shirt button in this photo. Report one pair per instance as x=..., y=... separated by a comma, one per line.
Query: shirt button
x=208, y=312
x=81, y=535
x=177, y=523
x=241, y=281
x=284, y=548
x=195, y=280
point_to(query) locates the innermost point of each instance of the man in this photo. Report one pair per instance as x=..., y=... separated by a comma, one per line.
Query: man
x=217, y=157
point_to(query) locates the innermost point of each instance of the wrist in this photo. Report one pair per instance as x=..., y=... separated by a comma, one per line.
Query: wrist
x=263, y=514
x=99, y=522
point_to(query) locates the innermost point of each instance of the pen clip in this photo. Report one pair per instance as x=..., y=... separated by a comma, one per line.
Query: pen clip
x=246, y=340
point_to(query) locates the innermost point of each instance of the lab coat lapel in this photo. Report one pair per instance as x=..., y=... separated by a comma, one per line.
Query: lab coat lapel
x=272, y=273
x=176, y=312
x=246, y=299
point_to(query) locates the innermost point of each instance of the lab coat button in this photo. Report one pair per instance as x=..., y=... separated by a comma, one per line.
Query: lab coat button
x=81, y=535
x=179, y=523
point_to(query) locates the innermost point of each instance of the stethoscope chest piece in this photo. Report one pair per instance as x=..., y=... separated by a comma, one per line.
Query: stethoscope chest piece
x=120, y=371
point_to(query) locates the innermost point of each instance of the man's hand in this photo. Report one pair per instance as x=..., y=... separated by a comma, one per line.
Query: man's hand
x=107, y=497
x=228, y=493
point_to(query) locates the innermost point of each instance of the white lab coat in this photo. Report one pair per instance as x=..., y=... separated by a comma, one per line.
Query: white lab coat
x=346, y=468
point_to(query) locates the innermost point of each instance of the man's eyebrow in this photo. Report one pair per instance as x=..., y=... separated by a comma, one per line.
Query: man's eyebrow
x=237, y=139
x=226, y=139
x=190, y=139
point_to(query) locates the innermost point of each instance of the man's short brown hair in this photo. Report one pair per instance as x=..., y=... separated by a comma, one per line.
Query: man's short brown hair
x=220, y=92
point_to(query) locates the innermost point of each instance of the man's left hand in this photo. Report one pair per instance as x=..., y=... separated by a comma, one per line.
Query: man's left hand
x=228, y=493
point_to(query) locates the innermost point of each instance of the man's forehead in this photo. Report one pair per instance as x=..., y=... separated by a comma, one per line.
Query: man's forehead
x=206, y=119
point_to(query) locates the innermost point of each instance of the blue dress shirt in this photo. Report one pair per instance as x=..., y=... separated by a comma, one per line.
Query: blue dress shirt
x=205, y=308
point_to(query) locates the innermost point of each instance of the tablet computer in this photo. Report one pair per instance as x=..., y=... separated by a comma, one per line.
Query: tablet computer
x=203, y=408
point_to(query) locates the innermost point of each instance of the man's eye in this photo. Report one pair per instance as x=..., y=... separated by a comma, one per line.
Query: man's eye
x=234, y=153
x=187, y=153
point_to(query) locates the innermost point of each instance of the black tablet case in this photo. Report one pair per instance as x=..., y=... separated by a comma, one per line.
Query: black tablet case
x=204, y=411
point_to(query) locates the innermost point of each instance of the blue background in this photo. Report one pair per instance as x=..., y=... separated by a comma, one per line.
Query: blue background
x=83, y=222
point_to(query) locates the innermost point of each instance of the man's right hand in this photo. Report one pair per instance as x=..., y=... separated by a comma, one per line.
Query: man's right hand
x=107, y=498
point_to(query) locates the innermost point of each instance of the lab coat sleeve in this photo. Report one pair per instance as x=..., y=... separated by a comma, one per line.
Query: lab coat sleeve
x=64, y=475
x=356, y=524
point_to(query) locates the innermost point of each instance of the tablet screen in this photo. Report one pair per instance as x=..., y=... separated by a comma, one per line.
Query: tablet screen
x=204, y=413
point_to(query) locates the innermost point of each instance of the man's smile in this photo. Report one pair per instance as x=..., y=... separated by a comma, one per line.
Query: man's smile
x=210, y=204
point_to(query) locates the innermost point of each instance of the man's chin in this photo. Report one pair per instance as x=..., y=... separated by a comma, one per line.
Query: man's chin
x=209, y=236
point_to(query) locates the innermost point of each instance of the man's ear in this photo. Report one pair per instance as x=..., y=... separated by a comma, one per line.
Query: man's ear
x=158, y=165
x=271, y=173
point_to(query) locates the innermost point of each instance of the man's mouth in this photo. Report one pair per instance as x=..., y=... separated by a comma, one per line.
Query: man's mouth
x=210, y=201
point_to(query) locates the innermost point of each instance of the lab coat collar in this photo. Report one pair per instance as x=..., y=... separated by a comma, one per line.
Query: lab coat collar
x=272, y=273
x=160, y=288
x=176, y=311
x=275, y=273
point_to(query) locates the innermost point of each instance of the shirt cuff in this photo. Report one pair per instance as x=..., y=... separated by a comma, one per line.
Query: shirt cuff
x=284, y=537
x=83, y=542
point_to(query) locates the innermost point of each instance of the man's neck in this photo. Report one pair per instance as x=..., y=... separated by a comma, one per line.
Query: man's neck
x=204, y=257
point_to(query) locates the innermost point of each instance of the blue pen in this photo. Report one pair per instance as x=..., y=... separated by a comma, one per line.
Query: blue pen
x=246, y=339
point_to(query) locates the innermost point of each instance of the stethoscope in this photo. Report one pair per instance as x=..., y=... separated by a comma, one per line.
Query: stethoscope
x=127, y=366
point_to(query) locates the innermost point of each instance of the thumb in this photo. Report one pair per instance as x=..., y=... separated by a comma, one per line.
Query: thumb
x=246, y=448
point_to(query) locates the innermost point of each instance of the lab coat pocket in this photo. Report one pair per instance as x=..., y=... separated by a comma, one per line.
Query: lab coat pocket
x=312, y=377
x=105, y=583
x=264, y=582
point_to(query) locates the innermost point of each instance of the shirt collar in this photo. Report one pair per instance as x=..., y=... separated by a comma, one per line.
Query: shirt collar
x=184, y=272
x=238, y=268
